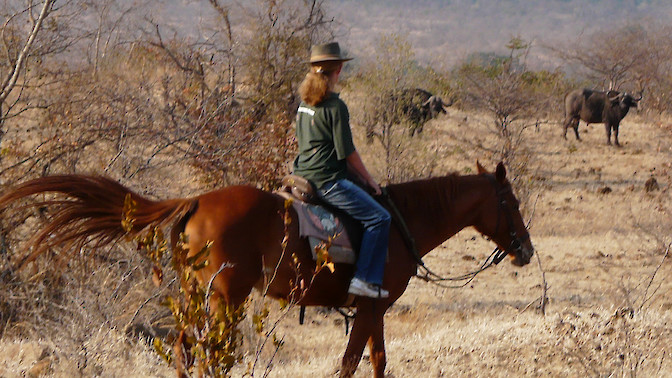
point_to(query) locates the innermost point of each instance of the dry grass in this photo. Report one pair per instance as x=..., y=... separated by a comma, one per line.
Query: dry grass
x=605, y=316
x=105, y=353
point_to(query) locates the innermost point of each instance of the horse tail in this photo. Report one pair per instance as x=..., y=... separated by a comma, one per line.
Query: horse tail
x=90, y=211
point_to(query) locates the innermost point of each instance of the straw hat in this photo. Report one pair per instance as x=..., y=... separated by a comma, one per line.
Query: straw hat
x=327, y=52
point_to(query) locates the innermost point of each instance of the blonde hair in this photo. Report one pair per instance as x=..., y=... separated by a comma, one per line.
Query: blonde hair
x=316, y=85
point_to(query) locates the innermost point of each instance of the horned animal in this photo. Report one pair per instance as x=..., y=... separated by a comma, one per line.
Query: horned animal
x=592, y=106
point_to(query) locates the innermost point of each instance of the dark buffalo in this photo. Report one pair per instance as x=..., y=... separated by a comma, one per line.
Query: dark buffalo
x=417, y=106
x=594, y=107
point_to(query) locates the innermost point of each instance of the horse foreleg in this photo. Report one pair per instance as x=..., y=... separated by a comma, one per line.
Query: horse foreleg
x=353, y=353
x=361, y=331
x=368, y=326
x=377, y=349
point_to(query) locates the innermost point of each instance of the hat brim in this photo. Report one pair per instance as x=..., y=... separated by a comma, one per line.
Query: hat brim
x=328, y=58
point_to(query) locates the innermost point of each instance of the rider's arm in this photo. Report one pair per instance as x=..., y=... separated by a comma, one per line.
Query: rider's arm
x=356, y=165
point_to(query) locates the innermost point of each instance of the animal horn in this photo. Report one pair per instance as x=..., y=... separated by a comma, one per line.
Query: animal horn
x=641, y=93
x=480, y=168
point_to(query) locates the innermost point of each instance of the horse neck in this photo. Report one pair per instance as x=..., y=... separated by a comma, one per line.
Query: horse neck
x=436, y=209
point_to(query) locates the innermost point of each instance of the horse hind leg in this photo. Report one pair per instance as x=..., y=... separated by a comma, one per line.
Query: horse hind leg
x=233, y=284
x=232, y=276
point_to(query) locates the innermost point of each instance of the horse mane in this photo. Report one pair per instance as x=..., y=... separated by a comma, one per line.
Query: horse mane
x=414, y=194
x=91, y=211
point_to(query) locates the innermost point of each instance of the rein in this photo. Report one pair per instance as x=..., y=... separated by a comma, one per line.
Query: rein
x=495, y=257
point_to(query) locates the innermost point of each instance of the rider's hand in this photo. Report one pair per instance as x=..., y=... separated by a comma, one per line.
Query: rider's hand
x=376, y=188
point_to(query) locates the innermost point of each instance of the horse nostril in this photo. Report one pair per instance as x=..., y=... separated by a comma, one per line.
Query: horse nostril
x=529, y=254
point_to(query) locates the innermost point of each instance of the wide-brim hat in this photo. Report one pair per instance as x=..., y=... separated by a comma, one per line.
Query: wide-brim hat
x=327, y=52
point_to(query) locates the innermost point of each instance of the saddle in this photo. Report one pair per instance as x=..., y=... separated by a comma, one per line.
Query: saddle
x=321, y=224
x=300, y=188
x=318, y=223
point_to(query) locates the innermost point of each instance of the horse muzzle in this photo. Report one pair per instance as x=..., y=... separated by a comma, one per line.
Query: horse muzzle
x=522, y=256
x=521, y=250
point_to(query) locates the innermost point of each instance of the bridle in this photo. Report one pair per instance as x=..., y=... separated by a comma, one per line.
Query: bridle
x=495, y=257
x=516, y=242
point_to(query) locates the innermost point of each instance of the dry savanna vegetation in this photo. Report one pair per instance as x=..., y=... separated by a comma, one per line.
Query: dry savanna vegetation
x=102, y=88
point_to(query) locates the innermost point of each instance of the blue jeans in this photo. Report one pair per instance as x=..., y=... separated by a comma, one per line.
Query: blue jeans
x=354, y=201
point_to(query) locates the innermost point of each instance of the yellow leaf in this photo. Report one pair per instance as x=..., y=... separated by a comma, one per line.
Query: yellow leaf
x=157, y=276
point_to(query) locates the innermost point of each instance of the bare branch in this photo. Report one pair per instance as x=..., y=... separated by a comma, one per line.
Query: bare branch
x=13, y=75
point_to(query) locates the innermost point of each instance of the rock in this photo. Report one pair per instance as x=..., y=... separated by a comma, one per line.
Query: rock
x=605, y=190
x=651, y=185
x=40, y=368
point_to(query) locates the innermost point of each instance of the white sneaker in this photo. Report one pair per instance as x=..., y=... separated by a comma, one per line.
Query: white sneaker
x=365, y=289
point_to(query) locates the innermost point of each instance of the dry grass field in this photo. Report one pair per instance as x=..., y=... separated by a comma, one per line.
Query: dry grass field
x=601, y=239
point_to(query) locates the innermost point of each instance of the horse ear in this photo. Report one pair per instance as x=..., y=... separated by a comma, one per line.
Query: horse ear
x=480, y=168
x=500, y=172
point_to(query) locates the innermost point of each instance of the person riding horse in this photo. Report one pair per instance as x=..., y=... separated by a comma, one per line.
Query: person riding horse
x=326, y=155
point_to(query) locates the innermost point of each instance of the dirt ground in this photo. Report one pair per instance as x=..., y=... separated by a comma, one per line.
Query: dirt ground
x=601, y=239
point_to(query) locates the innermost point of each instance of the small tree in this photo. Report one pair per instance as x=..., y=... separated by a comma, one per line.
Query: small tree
x=275, y=56
x=378, y=105
x=237, y=88
x=609, y=57
x=512, y=95
x=499, y=88
x=18, y=52
x=634, y=57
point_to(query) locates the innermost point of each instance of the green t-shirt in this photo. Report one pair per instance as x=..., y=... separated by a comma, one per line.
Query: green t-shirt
x=325, y=140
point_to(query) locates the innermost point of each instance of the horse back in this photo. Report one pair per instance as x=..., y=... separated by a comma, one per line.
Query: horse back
x=238, y=216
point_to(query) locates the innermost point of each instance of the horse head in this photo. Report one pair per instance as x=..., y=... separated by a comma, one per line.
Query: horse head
x=501, y=220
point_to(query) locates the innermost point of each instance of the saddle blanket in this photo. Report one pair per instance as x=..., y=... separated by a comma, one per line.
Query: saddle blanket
x=319, y=224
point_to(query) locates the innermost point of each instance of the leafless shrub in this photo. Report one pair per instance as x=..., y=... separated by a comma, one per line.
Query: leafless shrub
x=635, y=57
x=373, y=108
x=517, y=101
x=69, y=304
x=623, y=344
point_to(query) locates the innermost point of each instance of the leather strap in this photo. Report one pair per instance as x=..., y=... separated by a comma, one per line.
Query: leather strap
x=405, y=232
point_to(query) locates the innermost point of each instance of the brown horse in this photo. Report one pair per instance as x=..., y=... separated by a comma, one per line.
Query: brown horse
x=247, y=227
